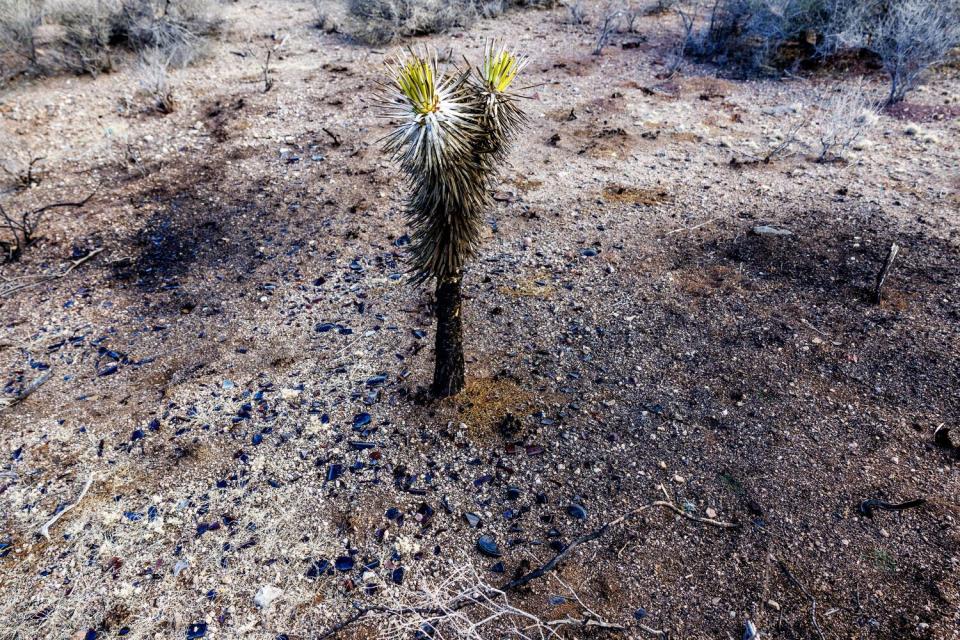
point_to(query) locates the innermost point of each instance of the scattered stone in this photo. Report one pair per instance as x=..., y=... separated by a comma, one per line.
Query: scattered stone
x=577, y=511
x=773, y=604
x=488, y=547
x=767, y=230
x=290, y=395
x=946, y=437
x=318, y=568
x=266, y=596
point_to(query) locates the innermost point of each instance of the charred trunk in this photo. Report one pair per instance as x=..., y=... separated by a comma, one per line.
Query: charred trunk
x=448, y=373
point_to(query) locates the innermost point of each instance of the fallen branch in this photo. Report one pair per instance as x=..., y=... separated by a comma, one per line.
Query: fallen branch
x=885, y=272
x=45, y=529
x=867, y=507
x=6, y=403
x=333, y=137
x=693, y=228
x=480, y=595
x=689, y=516
x=43, y=279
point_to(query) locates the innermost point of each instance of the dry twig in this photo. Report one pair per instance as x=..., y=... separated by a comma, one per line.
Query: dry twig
x=45, y=529
x=6, y=403
x=813, y=601
x=482, y=596
x=13, y=288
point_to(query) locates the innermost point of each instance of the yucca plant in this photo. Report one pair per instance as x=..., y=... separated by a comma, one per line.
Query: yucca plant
x=453, y=134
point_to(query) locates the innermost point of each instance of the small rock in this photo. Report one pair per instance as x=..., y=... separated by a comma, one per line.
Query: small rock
x=711, y=513
x=946, y=437
x=577, y=511
x=773, y=604
x=290, y=394
x=266, y=596
x=679, y=479
x=488, y=547
x=767, y=230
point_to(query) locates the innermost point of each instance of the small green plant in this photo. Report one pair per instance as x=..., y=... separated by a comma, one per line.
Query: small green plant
x=454, y=134
x=883, y=560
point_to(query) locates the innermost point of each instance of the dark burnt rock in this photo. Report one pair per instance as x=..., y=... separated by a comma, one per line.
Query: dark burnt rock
x=946, y=437
x=488, y=547
x=577, y=511
x=424, y=514
x=509, y=426
x=318, y=568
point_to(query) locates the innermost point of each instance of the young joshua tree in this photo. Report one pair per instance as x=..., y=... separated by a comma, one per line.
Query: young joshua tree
x=454, y=134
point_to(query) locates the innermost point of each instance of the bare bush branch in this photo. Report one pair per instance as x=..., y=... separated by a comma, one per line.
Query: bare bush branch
x=609, y=21
x=26, y=177
x=847, y=114
x=576, y=12
x=912, y=37
x=19, y=20
x=21, y=228
x=153, y=77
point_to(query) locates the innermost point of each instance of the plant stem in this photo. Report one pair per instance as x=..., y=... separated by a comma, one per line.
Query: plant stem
x=448, y=373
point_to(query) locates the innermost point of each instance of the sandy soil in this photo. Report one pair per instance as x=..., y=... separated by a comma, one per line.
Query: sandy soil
x=213, y=367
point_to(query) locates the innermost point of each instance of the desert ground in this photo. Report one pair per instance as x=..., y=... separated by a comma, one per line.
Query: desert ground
x=224, y=346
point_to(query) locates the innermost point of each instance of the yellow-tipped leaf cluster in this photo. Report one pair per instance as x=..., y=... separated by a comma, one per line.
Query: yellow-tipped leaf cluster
x=453, y=134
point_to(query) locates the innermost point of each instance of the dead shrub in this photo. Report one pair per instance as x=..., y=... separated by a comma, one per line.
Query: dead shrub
x=19, y=20
x=378, y=22
x=382, y=21
x=175, y=27
x=911, y=37
x=83, y=44
x=759, y=36
x=610, y=18
x=576, y=13
x=767, y=36
x=847, y=113
x=153, y=77
x=85, y=36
